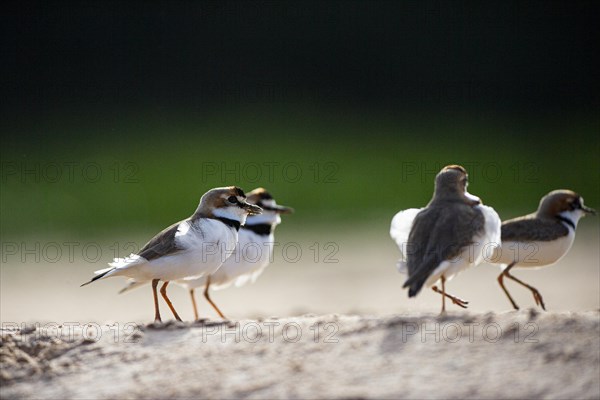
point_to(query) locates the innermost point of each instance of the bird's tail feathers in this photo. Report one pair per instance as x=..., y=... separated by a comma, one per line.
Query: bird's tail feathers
x=416, y=281
x=415, y=284
x=131, y=284
x=99, y=275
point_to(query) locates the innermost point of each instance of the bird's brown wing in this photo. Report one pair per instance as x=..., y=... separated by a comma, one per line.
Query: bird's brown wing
x=162, y=244
x=438, y=234
x=529, y=229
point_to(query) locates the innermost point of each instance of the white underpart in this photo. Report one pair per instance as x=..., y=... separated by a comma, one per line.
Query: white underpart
x=249, y=259
x=482, y=248
x=536, y=254
x=205, y=246
x=252, y=255
x=472, y=197
x=233, y=212
x=399, y=231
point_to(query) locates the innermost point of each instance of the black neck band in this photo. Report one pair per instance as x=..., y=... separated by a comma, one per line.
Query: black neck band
x=260, y=229
x=566, y=221
x=230, y=222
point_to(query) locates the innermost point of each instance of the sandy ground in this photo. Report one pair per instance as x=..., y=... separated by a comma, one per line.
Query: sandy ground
x=524, y=354
x=63, y=341
x=356, y=277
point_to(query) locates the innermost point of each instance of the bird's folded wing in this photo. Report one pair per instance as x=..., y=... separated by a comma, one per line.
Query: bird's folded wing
x=527, y=229
x=162, y=244
x=443, y=234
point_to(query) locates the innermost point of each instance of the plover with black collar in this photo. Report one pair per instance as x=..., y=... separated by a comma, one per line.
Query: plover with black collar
x=252, y=255
x=194, y=247
x=454, y=231
x=541, y=238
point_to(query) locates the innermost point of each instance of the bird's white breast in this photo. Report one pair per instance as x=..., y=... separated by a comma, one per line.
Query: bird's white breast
x=205, y=245
x=535, y=253
x=251, y=256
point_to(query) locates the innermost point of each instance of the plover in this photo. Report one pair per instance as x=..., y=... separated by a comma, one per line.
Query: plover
x=250, y=257
x=252, y=254
x=194, y=247
x=541, y=238
x=454, y=231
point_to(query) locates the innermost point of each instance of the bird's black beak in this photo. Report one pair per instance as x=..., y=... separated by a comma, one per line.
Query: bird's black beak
x=283, y=209
x=278, y=209
x=588, y=210
x=251, y=208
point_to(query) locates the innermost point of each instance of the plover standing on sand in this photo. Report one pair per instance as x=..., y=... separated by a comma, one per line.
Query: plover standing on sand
x=541, y=238
x=195, y=246
x=252, y=254
x=454, y=231
x=250, y=257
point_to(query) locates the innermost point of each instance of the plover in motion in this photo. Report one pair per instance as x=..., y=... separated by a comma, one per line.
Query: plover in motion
x=454, y=231
x=541, y=238
x=193, y=247
x=252, y=254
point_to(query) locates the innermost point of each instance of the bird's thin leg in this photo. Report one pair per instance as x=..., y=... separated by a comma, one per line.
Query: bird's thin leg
x=443, y=294
x=456, y=300
x=207, y=296
x=156, y=310
x=536, y=294
x=163, y=291
x=194, y=304
x=501, y=282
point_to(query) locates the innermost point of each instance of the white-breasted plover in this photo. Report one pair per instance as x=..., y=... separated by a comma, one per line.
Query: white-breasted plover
x=194, y=247
x=541, y=238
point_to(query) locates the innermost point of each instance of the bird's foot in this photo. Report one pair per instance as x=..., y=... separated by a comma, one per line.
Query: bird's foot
x=538, y=299
x=459, y=302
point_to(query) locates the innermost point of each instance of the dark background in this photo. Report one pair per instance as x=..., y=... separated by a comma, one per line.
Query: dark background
x=367, y=86
x=535, y=56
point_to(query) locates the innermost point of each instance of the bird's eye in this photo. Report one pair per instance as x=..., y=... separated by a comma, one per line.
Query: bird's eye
x=232, y=199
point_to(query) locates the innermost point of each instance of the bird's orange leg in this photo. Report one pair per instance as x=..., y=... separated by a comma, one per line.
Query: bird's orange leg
x=456, y=300
x=194, y=305
x=156, y=310
x=207, y=296
x=163, y=291
x=501, y=282
x=537, y=296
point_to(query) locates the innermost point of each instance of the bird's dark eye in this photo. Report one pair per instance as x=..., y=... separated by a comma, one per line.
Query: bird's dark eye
x=232, y=199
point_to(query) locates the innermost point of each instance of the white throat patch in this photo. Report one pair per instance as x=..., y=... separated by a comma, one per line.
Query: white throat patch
x=232, y=212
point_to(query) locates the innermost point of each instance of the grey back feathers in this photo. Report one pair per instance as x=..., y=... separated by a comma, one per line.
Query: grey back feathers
x=443, y=229
x=162, y=244
x=529, y=228
x=440, y=232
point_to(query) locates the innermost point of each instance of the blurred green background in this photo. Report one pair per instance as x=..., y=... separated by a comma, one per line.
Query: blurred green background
x=144, y=172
